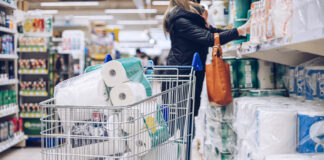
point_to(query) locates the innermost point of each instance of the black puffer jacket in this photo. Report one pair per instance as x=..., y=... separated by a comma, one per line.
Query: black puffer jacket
x=189, y=34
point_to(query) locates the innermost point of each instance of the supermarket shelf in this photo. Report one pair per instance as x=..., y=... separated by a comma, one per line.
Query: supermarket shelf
x=31, y=115
x=289, y=51
x=8, y=56
x=6, y=5
x=8, y=82
x=8, y=111
x=33, y=93
x=7, y=30
x=39, y=49
x=34, y=71
x=12, y=142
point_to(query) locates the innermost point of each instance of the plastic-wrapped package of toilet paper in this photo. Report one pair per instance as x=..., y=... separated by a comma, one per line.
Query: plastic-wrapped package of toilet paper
x=275, y=130
x=85, y=90
x=101, y=138
x=127, y=93
x=266, y=75
x=289, y=157
x=311, y=82
x=265, y=126
x=119, y=71
x=311, y=131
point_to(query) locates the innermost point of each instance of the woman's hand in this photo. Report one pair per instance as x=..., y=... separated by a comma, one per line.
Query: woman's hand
x=245, y=29
x=205, y=16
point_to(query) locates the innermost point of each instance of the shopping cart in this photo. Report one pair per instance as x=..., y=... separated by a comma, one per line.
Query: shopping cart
x=156, y=128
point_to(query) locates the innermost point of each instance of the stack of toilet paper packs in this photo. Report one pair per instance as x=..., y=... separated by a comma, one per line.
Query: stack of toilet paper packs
x=214, y=138
x=278, y=128
x=117, y=84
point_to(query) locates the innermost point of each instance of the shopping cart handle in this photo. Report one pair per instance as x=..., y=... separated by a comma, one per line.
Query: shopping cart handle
x=108, y=58
x=196, y=63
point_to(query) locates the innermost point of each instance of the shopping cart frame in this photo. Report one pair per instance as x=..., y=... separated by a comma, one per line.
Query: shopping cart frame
x=176, y=81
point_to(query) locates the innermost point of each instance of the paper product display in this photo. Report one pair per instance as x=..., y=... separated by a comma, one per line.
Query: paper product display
x=273, y=127
x=127, y=93
x=123, y=70
x=310, y=132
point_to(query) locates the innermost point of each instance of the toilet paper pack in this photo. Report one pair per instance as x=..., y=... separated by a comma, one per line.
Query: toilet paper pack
x=84, y=90
x=276, y=130
x=119, y=71
x=311, y=132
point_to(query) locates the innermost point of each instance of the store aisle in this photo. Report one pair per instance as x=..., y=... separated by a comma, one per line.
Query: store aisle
x=22, y=154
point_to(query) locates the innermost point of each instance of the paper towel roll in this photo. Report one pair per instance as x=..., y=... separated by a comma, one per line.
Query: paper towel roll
x=114, y=73
x=127, y=93
x=122, y=70
x=276, y=131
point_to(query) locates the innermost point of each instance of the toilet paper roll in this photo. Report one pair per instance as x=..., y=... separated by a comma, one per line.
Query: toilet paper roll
x=276, y=131
x=123, y=70
x=310, y=131
x=140, y=142
x=132, y=121
x=289, y=157
x=84, y=90
x=127, y=93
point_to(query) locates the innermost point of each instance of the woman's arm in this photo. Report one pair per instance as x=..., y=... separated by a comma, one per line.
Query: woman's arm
x=186, y=29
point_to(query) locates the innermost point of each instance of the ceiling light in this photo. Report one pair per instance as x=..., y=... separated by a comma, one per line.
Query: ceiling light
x=159, y=17
x=160, y=3
x=138, y=22
x=115, y=26
x=43, y=12
x=95, y=17
x=67, y=4
x=109, y=11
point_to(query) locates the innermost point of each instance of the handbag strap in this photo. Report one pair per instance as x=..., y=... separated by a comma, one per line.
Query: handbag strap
x=217, y=49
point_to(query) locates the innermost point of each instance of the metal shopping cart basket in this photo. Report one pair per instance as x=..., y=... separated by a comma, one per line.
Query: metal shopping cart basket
x=156, y=128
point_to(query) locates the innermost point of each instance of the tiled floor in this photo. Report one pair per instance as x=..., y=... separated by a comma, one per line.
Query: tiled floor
x=29, y=153
x=33, y=153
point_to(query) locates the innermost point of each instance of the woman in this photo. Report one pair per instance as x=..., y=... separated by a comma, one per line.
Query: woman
x=185, y=22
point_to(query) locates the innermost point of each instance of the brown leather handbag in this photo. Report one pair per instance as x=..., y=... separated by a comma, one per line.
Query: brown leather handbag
x=218, y=78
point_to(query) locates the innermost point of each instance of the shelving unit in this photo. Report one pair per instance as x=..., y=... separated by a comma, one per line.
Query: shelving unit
x=9, y=82
x=11, y=110
x=7, y=30
x=7, y=6
x=288, y=51
x=34, y=76
x=12, y=142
